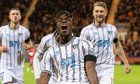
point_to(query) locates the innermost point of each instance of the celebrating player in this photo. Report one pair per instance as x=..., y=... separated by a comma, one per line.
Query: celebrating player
x=103, y=35
x=72, y=57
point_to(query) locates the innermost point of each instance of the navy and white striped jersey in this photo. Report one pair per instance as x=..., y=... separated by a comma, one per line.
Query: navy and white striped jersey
x=69, y=60
x=13, y=39
x=46, y=42
x=102, y=40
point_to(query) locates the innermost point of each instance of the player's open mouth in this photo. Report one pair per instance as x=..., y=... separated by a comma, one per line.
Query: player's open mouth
x=64, y=27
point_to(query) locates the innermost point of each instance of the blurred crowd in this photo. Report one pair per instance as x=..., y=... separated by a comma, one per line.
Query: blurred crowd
x=45, y=11
x=41, y=22
x=6, y=5
x=129, y=11
x=131, y=48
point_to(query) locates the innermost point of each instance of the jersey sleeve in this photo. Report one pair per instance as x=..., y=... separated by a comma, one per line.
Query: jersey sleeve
x=115, y=30
x=88, y=50
x=84, y=34
x=1, y=32
x=27, y=33
x=37, y=57
x=45, y=63
x=115, y=35
x=42, y=47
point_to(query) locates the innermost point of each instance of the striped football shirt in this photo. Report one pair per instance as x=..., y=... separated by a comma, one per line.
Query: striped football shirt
x=46, y=42
x=69, y=60
x=13, y=39
x=102, y=40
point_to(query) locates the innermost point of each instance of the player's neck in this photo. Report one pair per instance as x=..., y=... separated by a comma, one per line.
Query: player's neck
x=14, y=25
x=63, y=39
x=97, y=24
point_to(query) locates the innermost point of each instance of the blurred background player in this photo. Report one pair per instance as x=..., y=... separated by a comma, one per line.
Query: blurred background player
x=46, y=42
x=31, y=56
x=14, y=40
x=72, y=57
x=103, y=35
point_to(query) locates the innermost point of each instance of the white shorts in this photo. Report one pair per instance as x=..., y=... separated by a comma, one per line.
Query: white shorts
x=12, y=75
x=105, y=73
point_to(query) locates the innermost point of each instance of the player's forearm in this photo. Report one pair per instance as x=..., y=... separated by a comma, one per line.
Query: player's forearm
x=91, y=72
x=121, y=54
x=30, y=44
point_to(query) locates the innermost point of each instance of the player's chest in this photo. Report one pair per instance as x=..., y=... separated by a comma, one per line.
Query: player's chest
x=10, y=34
x=101, y=34
x=66, y=52
x=67, y=56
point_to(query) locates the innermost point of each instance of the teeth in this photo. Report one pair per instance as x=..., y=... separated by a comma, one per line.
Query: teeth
x=64, y=27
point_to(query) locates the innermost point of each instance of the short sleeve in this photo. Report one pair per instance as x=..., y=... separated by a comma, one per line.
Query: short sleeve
x=115, y=34
x=89, y=54
x=84, y=34
x=87, y=48
x=1, y=32
x=42, y=46
x=27, y=33
x=45, y=63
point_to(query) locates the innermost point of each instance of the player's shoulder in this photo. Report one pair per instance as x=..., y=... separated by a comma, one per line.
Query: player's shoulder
x=82, y=41
x=111, y=26
x=23, y=27
x=87, y=29
x=4, y=27
x=48, y=37
x=89, y=26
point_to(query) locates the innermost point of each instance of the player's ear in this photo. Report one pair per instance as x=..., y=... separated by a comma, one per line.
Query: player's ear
x=9, y=16
x=106, y=11
x=20, y=16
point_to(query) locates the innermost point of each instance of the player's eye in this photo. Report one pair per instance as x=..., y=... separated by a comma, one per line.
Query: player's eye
x=13, y=14
x=17, y=13
x=96, y=11
x=101, y=11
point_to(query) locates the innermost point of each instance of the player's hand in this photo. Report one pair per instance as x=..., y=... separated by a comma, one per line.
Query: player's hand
x=127, y=68
x=25, y=46
x=3, y=49
x=37, y=81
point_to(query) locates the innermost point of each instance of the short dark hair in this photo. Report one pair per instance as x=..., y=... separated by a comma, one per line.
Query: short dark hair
x=68, y=14
x=14, y=8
